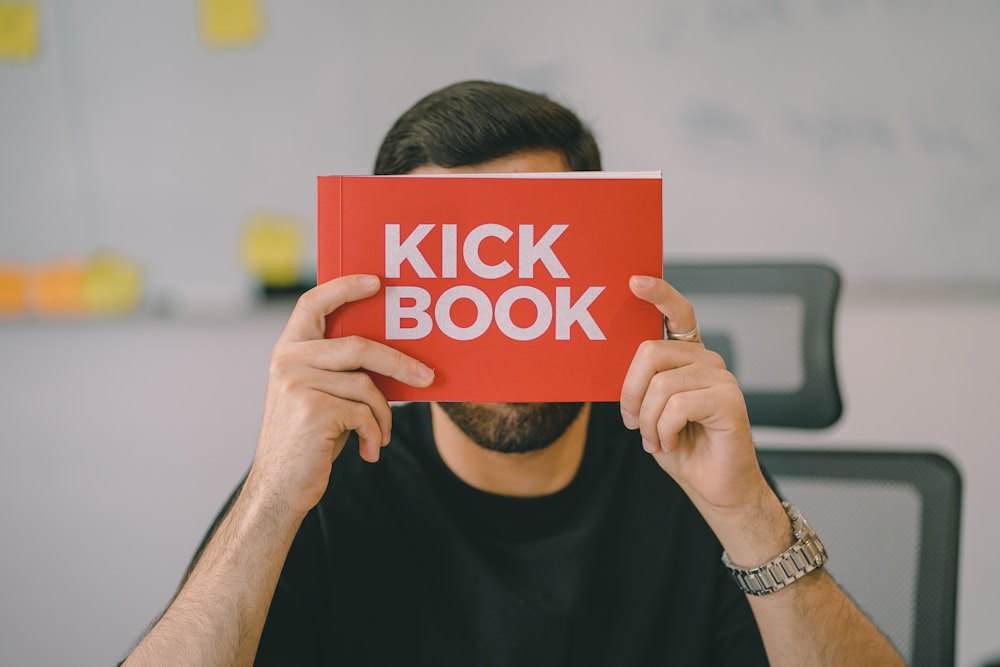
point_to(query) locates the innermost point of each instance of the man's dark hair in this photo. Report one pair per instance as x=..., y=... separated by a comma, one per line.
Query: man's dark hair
x=475, y=121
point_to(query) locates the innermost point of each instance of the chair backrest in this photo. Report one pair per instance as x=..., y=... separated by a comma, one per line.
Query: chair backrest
x=773, y=323
x=890, y=522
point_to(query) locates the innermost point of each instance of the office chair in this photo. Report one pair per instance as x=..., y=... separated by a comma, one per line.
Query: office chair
x=889, y=519
x=773, y=324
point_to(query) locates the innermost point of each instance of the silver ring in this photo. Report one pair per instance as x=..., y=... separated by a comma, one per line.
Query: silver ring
x=687, y=336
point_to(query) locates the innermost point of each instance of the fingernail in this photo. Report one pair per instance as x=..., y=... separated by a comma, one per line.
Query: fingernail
x=370, y=281
x=425, y=374
x=642, y=281
x=630, y=422
x=649, y=447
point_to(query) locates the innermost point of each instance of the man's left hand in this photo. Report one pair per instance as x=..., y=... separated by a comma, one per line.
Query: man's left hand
x=689, y=409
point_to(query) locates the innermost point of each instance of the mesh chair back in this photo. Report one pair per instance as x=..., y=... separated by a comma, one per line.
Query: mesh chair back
x=890, y=522
x=773, y=324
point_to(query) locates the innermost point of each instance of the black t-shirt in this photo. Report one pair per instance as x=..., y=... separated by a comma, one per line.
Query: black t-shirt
x=402, y=563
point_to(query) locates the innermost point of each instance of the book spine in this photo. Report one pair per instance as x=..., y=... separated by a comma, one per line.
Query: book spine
x=329, y=236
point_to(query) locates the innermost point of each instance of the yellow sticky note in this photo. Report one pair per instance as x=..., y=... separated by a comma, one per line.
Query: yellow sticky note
x=230, y=22
x=18, y=30
x=111, y=284
x=273, y=249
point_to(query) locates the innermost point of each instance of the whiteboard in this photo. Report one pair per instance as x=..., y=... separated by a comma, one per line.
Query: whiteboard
x=863, y=132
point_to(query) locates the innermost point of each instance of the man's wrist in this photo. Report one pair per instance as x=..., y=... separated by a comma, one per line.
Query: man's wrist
x=805, y=555
x=265, y=500
x=756, y=531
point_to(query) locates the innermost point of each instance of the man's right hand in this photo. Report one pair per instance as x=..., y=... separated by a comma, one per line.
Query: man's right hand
x=318, y=393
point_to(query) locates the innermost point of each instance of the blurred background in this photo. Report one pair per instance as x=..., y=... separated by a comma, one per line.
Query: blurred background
x=157, y=180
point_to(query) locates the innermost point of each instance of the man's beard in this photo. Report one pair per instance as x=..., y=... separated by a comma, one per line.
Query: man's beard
x=513, y=428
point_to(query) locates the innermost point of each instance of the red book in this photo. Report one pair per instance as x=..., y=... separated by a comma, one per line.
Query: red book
x=512, y=287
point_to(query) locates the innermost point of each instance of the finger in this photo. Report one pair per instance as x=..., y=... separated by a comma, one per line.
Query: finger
x=678, y=313
x=652, y=357
x=358, y=417
x=356, y=387
x=370, y=443
x=702, y=406
x=308, y=318
x=662, y=388
x=353, y=353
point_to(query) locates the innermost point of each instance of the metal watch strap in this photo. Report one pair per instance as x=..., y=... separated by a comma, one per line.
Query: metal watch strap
x=806, y=555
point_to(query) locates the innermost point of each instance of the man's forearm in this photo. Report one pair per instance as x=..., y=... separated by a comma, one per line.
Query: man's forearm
x=219, y=613
x=811, y=621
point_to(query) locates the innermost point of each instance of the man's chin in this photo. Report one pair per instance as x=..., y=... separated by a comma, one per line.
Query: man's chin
x=513, y=428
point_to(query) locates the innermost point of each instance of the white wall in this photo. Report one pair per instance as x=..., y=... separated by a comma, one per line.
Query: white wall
x=121, y=440
x=863, y=130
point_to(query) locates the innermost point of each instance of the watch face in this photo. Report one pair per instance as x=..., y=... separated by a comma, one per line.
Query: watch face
x=799, y=524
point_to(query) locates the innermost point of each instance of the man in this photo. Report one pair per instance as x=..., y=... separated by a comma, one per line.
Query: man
x=507, y=534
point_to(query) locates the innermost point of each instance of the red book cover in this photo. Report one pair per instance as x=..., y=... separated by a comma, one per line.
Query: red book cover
x=512, y=287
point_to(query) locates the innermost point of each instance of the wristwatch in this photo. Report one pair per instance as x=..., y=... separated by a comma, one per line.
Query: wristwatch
x=806, y=555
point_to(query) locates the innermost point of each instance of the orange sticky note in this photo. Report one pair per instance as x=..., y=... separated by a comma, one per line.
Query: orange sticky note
x=512, y=287
x=13, y=290
x=18, y=30
x=230, y=22
x=57, y=288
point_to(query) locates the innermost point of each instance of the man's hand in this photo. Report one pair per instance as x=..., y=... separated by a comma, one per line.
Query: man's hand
x=318, y=393
x=690, y=410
